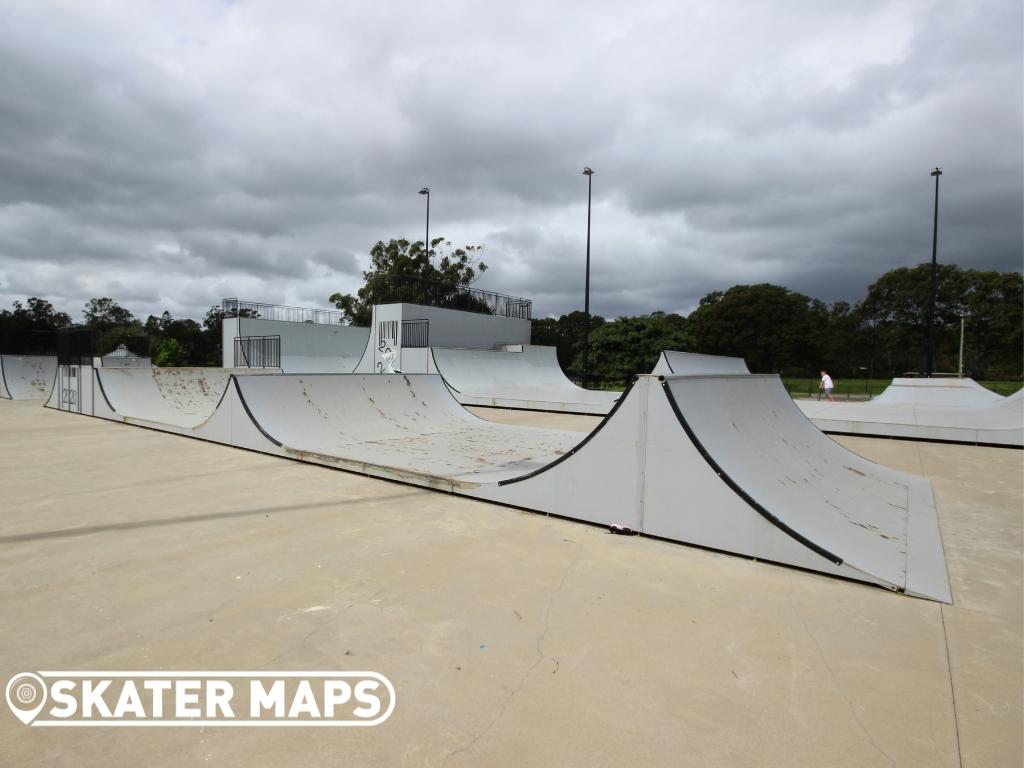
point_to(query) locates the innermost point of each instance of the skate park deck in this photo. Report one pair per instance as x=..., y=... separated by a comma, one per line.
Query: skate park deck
x=511, y=638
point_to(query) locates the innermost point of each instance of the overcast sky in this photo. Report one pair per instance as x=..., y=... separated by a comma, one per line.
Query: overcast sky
x=171, y=155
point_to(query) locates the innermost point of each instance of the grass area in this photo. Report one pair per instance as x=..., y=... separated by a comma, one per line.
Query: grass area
x=872, y=387
x=854, y=388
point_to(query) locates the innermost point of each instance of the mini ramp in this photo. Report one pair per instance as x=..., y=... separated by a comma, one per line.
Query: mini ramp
x=27, y=377
x=946, y=410
x=695, y=364
x=176, y=397
x=529, y=380
x=725, y=462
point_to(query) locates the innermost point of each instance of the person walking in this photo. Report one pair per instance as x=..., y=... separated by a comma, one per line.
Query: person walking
x=826, y=385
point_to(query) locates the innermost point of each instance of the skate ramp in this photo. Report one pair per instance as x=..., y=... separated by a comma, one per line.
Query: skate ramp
x=337, y=352
x=531, y=380
x=916, y=412
x=721, y=461
x=27, y=377
x=409, y=423
x=695, y=364
x=937, y=393
x=177, y=397
x=875, y=520
x=725, y=462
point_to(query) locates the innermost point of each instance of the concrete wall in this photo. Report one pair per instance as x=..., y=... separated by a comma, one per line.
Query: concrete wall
x=302, y=344
x=448, y=328
x=453, y=328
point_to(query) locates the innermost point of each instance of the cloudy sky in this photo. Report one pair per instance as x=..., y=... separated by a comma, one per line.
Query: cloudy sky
x=170, y=154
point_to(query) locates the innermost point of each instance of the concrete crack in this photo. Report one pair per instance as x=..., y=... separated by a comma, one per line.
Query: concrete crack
x=529, y=670
x=838, y=685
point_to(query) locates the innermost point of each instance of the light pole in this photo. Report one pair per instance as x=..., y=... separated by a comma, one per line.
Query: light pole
x=960, y=365
x=426, y=242
x=929, y=363
x=586, y=301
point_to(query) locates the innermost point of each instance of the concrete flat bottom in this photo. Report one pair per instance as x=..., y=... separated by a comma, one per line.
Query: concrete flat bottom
x=511, y=638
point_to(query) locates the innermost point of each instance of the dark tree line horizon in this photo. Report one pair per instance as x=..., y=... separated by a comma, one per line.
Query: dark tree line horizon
x=775, y=329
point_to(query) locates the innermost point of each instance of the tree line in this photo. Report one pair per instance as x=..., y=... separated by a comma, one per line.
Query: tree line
x=776, y=330
x=30, y=327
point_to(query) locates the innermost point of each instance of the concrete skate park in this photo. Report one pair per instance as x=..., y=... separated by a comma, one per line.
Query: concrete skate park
x=792, y=597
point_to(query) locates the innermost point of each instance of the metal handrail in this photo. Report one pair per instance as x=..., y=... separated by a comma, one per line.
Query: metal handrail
x=410, y=289
x=258, y=310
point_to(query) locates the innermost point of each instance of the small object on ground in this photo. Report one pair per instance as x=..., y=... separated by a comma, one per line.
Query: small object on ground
x=621, y=530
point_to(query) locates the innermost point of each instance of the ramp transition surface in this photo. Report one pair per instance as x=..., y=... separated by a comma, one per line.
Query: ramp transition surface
x=27, y=377
x=531, y=379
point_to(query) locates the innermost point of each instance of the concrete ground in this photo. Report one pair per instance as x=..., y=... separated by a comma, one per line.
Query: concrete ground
x=512, y=638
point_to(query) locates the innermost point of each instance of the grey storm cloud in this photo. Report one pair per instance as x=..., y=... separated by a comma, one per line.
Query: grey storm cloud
x=170, y=155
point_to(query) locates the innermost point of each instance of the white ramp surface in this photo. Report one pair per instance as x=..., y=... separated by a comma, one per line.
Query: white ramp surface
x=938, y=393
x=177, y=397
x=27, y=377
x=876, y=520
x=726, y=462
x=409, y=423
x=337, y=352
x=952, y=410
x=531, y=380
x=695, y=364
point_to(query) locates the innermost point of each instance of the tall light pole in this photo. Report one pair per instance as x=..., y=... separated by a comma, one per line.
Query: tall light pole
x=426, y=241
x=960, y=365
x=586, y=301
x=929, y=363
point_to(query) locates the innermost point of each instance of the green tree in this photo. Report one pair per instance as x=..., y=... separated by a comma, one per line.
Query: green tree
x=566, y=335
x=895, y=316
x=169, y=353
x=114, y=325
x=622, y=348
x=195, y=345
x=773, y=328
x=38, y=315
x=105, y=314
x=408, y=272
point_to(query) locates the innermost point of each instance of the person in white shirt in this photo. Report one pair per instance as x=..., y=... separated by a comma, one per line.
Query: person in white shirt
x=826, y=384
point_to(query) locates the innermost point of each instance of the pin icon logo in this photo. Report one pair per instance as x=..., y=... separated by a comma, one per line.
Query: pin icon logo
x=26, y=695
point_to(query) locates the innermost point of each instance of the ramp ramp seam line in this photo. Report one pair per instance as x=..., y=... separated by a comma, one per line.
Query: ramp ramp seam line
x=576, y=448
x=245, y=405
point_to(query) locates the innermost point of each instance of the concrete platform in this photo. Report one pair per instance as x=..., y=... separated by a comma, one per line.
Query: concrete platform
x=512, y=638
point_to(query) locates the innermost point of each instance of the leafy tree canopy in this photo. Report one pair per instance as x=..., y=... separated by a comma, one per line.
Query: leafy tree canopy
x=404, y=271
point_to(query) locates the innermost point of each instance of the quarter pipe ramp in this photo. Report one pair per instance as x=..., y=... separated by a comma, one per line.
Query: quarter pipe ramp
x=531, y=380
x=726, y=462
x=27, y=377
x=695, y=364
